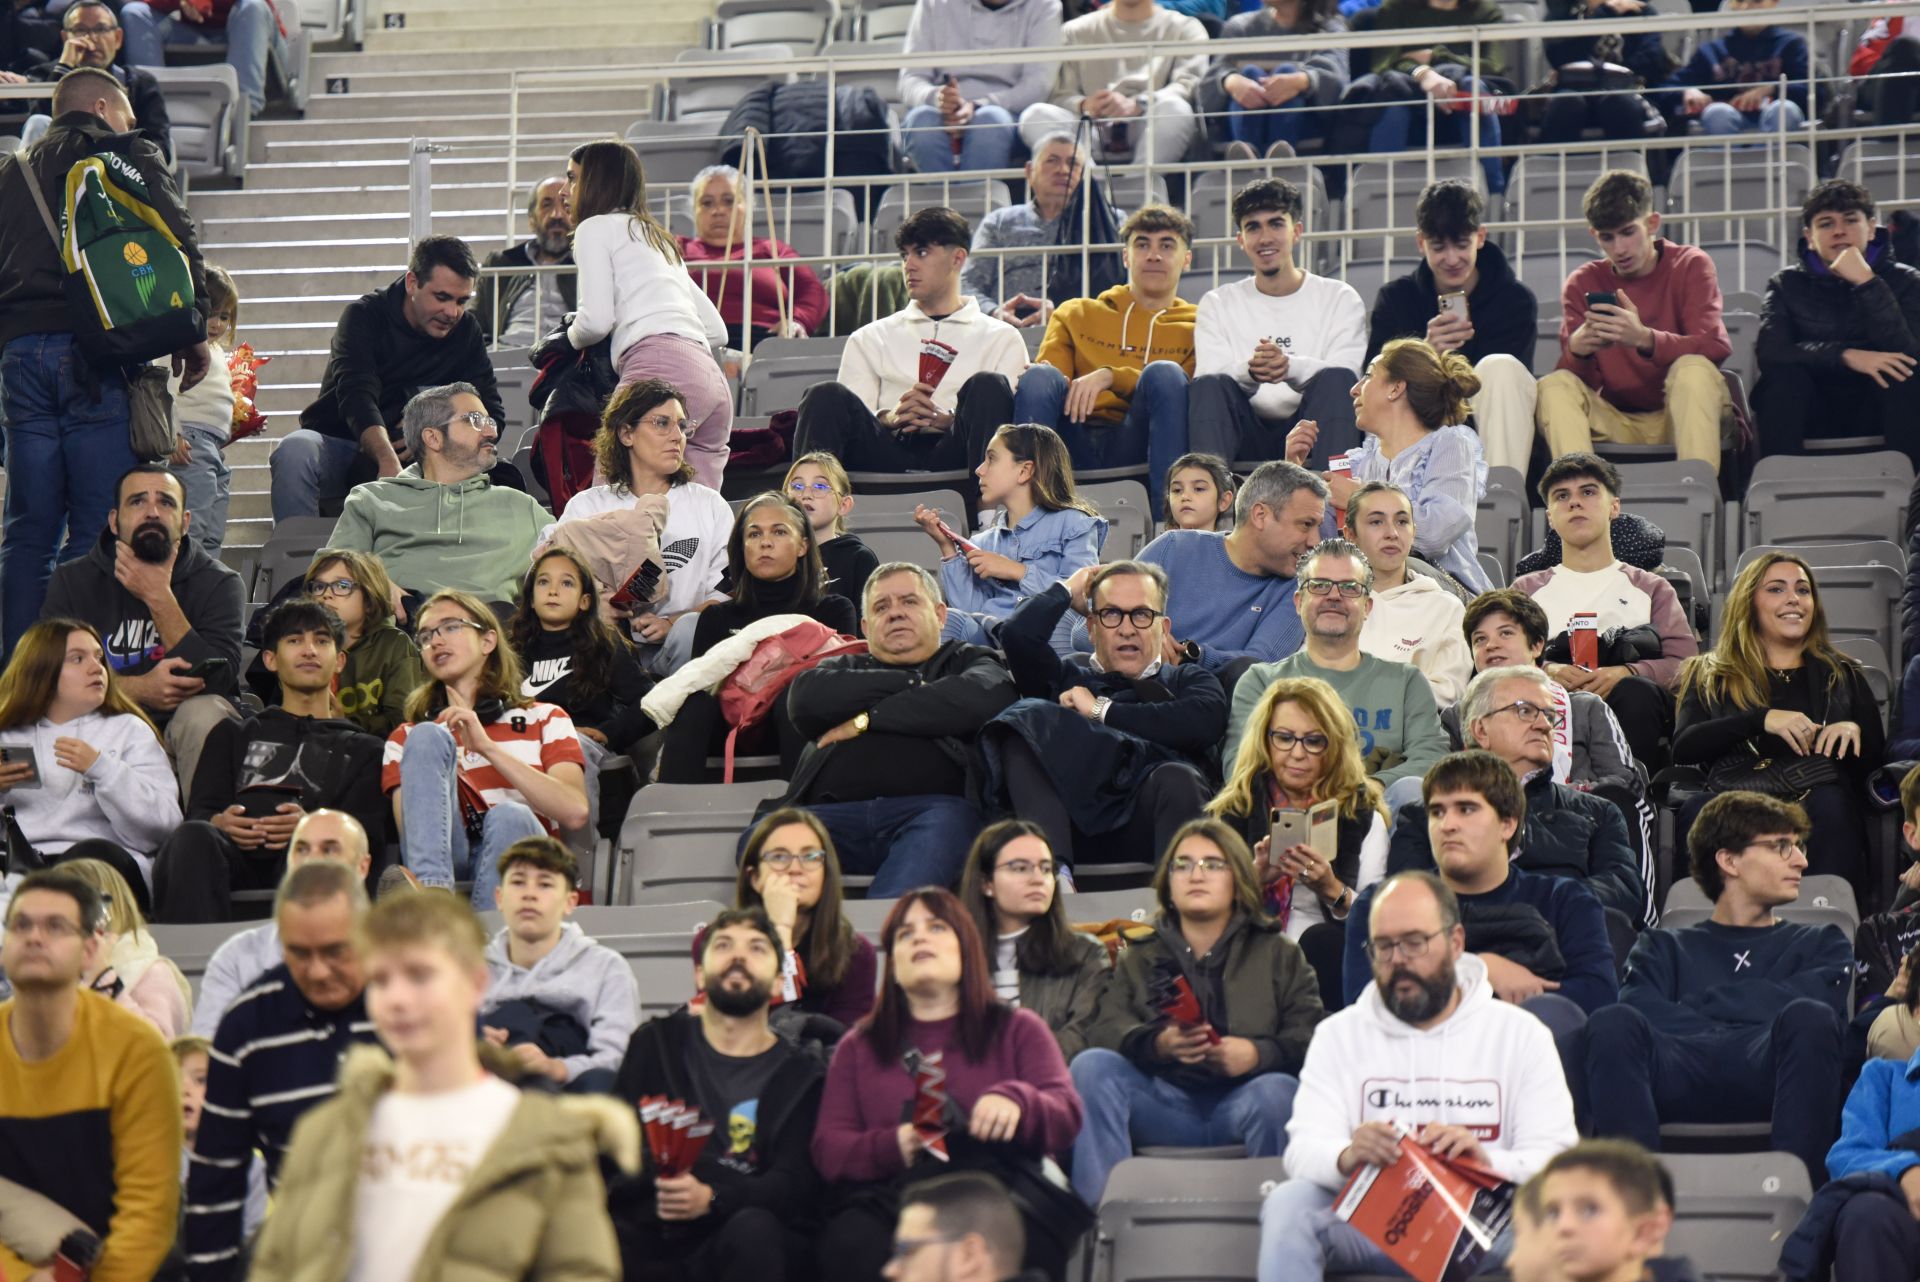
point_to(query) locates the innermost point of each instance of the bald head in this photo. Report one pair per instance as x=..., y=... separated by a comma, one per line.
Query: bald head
x=331, y=835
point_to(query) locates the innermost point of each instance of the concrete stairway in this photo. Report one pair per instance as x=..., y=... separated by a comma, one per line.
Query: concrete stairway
x=323, y=215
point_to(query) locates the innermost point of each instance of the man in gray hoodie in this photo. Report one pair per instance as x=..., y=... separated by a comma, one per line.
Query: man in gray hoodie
x=565, y=1005
x=961, y=114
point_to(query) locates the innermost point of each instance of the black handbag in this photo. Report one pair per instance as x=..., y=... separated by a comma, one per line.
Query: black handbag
x=1788, y=776
x=1090, y=211
x=21, y=857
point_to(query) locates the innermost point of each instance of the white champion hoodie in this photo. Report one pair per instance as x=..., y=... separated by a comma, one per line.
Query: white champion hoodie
x=1490, y=1067
x=1419, y=623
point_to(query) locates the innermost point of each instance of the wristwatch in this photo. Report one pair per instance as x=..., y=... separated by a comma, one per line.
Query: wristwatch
x=860, y=724
x=1100, y=707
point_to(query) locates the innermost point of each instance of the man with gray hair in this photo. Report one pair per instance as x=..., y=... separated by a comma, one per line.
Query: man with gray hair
x=506, y=305
x=276, y=1055
x=1013, y=287
x=888, y=769
x=1392, y=703
x=440, y=523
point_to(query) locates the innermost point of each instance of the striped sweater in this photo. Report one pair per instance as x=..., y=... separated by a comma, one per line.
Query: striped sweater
x=274, y=1057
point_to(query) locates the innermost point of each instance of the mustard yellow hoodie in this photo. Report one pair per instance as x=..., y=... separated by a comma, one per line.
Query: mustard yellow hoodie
x=1115, y=332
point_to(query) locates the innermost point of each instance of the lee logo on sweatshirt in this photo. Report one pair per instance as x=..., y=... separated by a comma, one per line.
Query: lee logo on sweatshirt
x=1474, y=1104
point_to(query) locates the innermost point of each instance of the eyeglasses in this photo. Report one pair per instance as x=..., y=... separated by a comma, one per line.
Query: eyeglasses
x=785, y=859
x=331, y=587
x=1351, y=589
x=96, y=30
x=1140, y=616
x=476, y=420
x=665, y=423
x=818, y=487
x=1287, y=741
x=427, y=636
x=1532, y=712
x=907, y=1247
x=1784, y=847
x=1027, y=867
x=51, y=927
x=1411, y=947
x=1187, y=865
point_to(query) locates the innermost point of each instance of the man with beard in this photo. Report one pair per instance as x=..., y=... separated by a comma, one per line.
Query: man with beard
x=731, y=1217
x=168, y=614
x=505, y=305
x=441, y=523
x=1427, y=1049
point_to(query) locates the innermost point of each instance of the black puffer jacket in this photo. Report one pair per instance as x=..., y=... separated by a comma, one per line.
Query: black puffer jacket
x=1811, y=316
x=794, y=120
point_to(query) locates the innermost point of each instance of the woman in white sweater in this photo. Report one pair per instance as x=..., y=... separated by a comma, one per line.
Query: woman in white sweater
x=83, y=771
x=634, y=286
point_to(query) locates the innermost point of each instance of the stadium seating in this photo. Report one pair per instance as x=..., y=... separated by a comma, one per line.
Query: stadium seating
x=677, y=842
x=1179, y=1220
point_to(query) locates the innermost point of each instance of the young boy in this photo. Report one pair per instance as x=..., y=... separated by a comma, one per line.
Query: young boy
x=192, y=1053
x=1641, y=338
x=563, y=1004
x=818, y=485
x=1597, y=1212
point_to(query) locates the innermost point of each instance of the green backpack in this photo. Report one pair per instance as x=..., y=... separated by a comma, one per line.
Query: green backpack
x=128, y=285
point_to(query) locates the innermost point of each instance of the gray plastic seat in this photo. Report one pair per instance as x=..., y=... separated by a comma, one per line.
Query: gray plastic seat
x=1129, y=517
x=771, y=384
x=1165, y=1219
x=1733, y=1211
x=288, y=551
x=677, y=842
x=797, y=26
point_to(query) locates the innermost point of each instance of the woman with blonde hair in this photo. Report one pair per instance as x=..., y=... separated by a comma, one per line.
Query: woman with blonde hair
x=130, y=969
x=1774, y=708
x=1300, y=750
x=1411, y=406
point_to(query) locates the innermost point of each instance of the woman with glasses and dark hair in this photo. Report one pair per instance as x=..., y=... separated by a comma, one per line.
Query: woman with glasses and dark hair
x=790, y=869
x=1202, y=1033
x=1012, y=888
x=1301, y=751
x=383, y=665
x=1011, y=1104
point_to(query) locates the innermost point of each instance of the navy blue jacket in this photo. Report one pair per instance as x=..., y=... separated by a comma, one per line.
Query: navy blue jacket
x=1711, y=978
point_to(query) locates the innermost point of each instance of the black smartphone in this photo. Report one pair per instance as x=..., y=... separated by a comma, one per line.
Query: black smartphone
x=21, y=754
x=207, y=669
x=1608, y=297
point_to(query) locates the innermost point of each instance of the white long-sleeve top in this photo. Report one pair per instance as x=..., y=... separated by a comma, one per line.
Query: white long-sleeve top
x=127, y=796
x=882, y=359
x=632, y=291
x=1321, y=325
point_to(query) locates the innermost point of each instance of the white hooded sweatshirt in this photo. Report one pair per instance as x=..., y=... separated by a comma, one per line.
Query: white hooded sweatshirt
x=1419, y=622
x=1490, y=1067
x=882, y=359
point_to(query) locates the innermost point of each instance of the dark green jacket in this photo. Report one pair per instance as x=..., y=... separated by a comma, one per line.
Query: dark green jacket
x=382, y=670
x=1412, y=15
x=1069, y=1002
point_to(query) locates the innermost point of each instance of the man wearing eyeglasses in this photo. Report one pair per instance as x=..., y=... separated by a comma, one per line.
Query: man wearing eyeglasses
x=1511, y=713
x=1392, y=703
x=959, y=1228
x=1108, y=753
x=90, y=36
x=1426, y=1052
x=258, y=779
x=441, y=523
x=89, y=1105
x=1741, y=1017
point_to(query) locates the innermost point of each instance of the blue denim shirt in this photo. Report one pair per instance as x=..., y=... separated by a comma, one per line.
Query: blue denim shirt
x=1052, y=545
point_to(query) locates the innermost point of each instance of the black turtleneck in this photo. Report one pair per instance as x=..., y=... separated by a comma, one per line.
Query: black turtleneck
x=724, y=618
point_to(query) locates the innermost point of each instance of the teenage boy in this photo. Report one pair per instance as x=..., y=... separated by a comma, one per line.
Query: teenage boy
x=1877, y=1233
x=1112, y=372
x=1278, y=347
x=1839, y=332
x=1489, y=316
x=961, y=115
x=1582, y=493
x=1393, y=707
x=1141, y=104
x=563, y=1004
x=1640, y=336
x=1732, y=77
x=258, y=778
x=1013, y=287
x=880, y=414
x=1414, y=620
x=1599, y=1212
x=1737, y=1019
x=734, y=1216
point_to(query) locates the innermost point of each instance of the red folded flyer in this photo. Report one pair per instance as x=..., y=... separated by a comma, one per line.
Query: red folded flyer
x=1436, y=1217
x=935, y=359
x=931, y=1105
x=1183, y=1008
x=676, y=1133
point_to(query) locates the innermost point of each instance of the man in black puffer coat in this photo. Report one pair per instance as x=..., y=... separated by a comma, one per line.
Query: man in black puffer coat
x=1840, y=333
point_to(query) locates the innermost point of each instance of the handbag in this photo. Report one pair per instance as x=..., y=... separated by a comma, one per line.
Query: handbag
x=1775, y=776
x=1090, y=211
x=151, y=428
x=21, y=857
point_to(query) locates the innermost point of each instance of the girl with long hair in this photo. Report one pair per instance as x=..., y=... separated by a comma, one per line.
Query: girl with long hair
x=383, y=664
x=1013, y=1104
x=1012, y=888
x=570, y=656
x=1227, y=1076
x=478, y=765
x=81, y=766
x=1774, y=690
x=1043, y=533
x=130, y=970
x=635, y=288
x=1411, y=406
x=790, y=869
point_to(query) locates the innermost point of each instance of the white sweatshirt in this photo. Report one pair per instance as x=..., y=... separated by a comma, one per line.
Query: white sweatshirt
x=207, y=404
x=694, y=544
x=1321, y=325
x=882, y=359
x=1419, y=622
x=128, y=795
x=632, y=291
x=1490, y=1067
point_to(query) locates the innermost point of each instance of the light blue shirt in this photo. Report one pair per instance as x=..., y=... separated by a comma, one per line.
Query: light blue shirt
x=1445, y=474
x=1232, y=614
x=1052, y=545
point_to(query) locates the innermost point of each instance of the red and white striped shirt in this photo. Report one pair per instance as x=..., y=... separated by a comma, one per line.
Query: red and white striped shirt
x=540, y=735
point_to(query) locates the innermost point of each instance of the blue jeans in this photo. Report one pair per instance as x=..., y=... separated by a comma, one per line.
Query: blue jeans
x=433, y=836
x=249, y=31
x=1302, y=1240
x=903, y=843
x=1290, y=122
x=1154, y=431
x=1724, y=119
x=66, y=452
x=206, y=478
x=1126, y=1104
x=987, y=143
x=307, y=467
x=1394, y=132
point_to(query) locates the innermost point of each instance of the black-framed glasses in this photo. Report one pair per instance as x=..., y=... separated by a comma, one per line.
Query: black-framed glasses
x=1526, y=711
x=907, y=1247
x=1351, y=589
x=781, y=860
x=427, y=636
x=818, y=487
x=331, y=587
x=1027, y=867
x=1783, y=847
x=97, y=29
x=1313, y=742
x=1140, y=616
x=1411, y=947
x=51, y=927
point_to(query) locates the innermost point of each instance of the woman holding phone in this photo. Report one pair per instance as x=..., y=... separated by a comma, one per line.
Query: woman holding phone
x=1300, y=752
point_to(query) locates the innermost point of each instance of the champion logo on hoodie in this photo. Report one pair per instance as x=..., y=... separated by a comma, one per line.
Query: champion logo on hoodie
x=1477, y=1103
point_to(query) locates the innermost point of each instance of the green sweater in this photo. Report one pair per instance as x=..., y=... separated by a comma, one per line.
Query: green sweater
x=471, y=536
x=1400, y=731
x=1413, y=15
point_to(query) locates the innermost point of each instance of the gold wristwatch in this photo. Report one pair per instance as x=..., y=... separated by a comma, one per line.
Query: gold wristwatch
x=860, y=724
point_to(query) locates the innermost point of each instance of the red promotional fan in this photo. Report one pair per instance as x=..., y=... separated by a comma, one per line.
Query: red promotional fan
x=935, y=359
x=676, y=1133
x=1183, y=1008
x=931, y=1104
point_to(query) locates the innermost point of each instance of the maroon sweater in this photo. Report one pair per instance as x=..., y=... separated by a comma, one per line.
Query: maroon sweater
x=1679, y=300
x=867, y=1095
x=728, y=290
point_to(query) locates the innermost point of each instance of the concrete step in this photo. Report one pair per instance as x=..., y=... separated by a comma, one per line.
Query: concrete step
x=458, y=38
x=373, y=223
x=278, y=278
x=287, y=309
x=385, y=164
x=441, y=102
x=264, y=203
x=270, y=137
x=379, y=258
x=584, y=11
x=661, y=45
